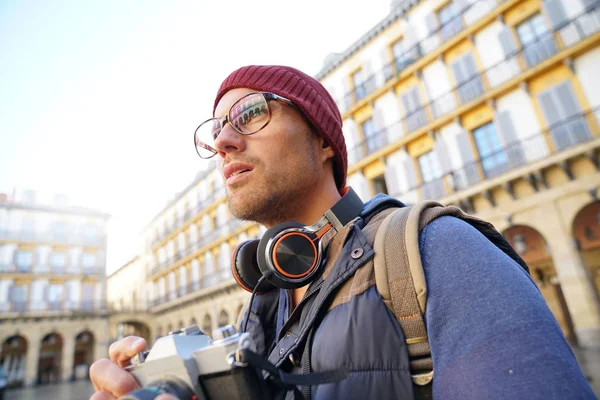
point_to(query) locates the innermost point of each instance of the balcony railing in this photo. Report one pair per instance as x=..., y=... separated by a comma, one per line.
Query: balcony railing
x=52, y=237
x=195, y=286
x=474, y=87
x=563, y=135
x=571, y=32
x=85, y=306
x=53, y=270
x=202, y=204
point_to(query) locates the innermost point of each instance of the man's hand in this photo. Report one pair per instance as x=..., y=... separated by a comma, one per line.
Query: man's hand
x=110, y=380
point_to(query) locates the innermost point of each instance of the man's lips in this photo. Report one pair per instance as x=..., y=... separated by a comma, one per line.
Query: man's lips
x=235, y=168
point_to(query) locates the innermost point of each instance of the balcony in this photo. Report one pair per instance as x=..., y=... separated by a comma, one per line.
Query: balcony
x=573, y=31
x=52, y=270
x=546, y=147
x=52, y=238
x=195, y=287
x=54, y=306
x=479, y=86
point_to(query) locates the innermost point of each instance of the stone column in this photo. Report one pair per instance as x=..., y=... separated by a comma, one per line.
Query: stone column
x=68, y=355
x=32, y=360
x=572, y=276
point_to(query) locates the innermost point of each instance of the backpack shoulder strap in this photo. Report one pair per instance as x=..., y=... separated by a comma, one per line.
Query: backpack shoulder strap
x=400, y=280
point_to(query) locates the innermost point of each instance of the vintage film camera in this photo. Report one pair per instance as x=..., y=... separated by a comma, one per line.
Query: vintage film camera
x=191, y=366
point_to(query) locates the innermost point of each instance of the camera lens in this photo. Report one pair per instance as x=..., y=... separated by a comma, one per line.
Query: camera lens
x=175, y=387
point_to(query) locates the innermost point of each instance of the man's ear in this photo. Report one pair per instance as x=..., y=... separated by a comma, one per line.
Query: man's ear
x=326, y=150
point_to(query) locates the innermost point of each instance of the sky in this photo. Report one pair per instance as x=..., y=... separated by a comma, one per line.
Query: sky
x=99, y=99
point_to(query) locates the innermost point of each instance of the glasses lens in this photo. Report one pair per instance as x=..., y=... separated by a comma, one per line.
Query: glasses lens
x=204, y=138
x=250, y=113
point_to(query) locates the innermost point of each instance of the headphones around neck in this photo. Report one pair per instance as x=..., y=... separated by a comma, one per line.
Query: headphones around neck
x=289, y=254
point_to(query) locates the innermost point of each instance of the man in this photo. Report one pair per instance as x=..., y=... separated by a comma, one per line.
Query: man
x=490, y=331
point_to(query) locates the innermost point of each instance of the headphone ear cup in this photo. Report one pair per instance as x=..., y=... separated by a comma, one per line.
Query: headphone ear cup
x=244, y=267
x=276, y=274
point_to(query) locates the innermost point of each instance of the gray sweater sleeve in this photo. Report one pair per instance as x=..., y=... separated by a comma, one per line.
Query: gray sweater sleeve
x=492, y=335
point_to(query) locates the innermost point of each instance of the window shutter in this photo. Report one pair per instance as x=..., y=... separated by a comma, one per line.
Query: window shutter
x=574, y=121
x=368, y=76
x=391, y=179
x=441, y=150
x=432, y=22
x=468, y=174
x=508, y=135
x=407, y=103
x=556, y=13
x=409, y=171
x=507, y=41
x=457, y=70
x=553, y=118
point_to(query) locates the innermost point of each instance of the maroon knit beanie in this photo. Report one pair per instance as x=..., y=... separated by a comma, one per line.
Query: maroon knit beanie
x=307, y=94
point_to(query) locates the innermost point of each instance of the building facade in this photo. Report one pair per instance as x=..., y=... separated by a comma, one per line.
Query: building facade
x=53, y=314
x=491, y=105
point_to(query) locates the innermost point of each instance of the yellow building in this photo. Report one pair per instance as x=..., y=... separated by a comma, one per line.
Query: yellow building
x=54, y=319
x=491, y=105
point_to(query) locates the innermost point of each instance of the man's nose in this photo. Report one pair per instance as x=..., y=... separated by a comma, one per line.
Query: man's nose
x=229, y=141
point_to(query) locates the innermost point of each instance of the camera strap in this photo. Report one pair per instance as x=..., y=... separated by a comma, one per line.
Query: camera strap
x=289, y=381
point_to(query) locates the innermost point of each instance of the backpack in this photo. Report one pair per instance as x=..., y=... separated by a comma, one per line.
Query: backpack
x=400, y=278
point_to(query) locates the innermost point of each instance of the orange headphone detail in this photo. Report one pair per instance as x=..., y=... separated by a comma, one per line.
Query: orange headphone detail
x=289, y=254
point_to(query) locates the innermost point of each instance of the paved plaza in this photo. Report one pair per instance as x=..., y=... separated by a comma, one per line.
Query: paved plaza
x=80, y=390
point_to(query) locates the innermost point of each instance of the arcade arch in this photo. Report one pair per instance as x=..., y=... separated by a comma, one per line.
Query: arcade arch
x=50, y=359
x=13, y=358
x=84, y=354
x=533, y=248
x=586, y=231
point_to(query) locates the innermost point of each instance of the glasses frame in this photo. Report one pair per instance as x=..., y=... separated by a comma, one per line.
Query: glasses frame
x=222, y=121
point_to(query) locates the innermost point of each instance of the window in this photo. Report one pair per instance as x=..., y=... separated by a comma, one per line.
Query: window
x=358, y=80
x=431, y=172
x=55, y=296
x=536, y=40
x=413, y=109
x=19, y=297
x=60, y=231
x=468, y=79
x=404, y=54
x=563, y=116
x=58, y=262
x=24, y=261
x=27, y=228
x=370, y=135
x=450, y=21
x=88, y=261
x=379, y=185
x=493, y=158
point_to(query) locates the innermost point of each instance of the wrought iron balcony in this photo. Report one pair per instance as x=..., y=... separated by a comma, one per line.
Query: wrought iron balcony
x=474, y=87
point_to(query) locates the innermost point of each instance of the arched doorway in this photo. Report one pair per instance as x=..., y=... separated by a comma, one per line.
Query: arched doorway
x=49, y=364
x=133, y=328
x=223, y=318
x=586, y=230
x=12, y=360
x=533, y=248
x=207, y=325
x=84, y=354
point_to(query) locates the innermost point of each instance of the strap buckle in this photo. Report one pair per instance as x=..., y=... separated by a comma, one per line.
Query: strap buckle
x=422, y=379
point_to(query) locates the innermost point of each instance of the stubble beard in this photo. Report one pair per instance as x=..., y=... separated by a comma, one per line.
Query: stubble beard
x=277, y=197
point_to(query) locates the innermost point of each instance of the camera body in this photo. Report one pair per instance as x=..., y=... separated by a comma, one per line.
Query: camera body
x=190, y=365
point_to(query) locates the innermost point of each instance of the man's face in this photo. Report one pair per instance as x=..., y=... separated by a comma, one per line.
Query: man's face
x=269, y=174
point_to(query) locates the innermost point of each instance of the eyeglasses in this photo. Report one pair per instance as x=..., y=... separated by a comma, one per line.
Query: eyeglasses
x=247, y=116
